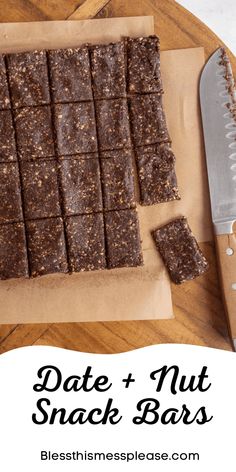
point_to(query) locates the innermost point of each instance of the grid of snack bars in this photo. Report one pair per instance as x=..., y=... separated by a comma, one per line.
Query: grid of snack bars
x=71, y=122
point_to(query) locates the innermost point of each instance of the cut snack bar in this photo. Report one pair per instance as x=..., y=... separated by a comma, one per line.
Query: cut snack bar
x=123, y=239
x=117, y=179
x=156, y=173
x=75, y=128
x=28, y=78
x=13, y=254
x=86, y=242
x=40, y=189
x=10, y=193
x=180, y=251
x=112, y=123
x=70, y=74
x=81, y=186
x=7, y=137
x=34, y=132
x=4, y=92
x=108, y=70
x=143, y=56
x=46, y=246
x=148, y=122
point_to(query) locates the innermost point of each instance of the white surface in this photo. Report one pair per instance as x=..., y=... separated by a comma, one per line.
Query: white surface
x=219, y=15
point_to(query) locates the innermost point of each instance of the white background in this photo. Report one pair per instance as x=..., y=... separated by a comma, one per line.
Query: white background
x=219, y=15
x=21, y=441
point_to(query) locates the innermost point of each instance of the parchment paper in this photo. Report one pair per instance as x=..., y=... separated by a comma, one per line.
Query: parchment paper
x=123, y=294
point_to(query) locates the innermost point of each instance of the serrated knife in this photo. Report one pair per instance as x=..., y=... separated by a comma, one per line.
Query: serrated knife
x=218, y=107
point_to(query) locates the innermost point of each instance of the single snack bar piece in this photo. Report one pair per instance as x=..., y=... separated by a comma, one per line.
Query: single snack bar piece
x=81, y=186
x=86, y=242
x=76, y=128
x=28, y=78
x=117, y=179
x=148, y=122
x=123, y=239
x=10, y=193
x=112, y=123
x=70, y=74
x=143, y=57
x=46, y=246
x=4, y=92
x=13, y=253
x=108, y=70
x=40, y=189
x=7, y=137
x=34, y=133
x=180, y=251
x=156, y=172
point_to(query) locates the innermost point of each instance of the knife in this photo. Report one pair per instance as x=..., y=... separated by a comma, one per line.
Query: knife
x=218, y=107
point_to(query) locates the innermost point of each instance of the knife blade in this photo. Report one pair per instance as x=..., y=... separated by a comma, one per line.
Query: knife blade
x=218, y=108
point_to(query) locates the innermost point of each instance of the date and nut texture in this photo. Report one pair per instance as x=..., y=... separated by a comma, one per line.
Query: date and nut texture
x=123, y=240
x=108, y=71
x=34, y=132
x=28, y=79
x=4, y=92
x=73, y=123
x=113, y=124
x=143, y=57
x=70, y=75
x=157, y=178
x=86, y=242
x=81, y=186
x=10, y=193
x=40, y=188
x=46, y=246
x=13, y=253
x=179, y=250
x=75, y=128
x=118, y=179
x=7, y=137
x=148, y=121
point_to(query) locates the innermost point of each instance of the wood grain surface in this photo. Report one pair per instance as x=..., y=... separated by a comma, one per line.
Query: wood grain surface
x=198, y=307
x=227, y=276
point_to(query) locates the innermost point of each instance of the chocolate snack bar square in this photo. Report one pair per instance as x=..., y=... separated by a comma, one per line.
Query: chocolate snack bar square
x=34, y=133
x=148, y=122
x=7, y=137
x=81, y=186
x=112, y=123
x=156, y=172
x=4, y=92
x=76, y=128
x=143, y=57
x=108, y=70
x=180, y=251
x=13, y=253
x=118, y=179
x=46, y=246
x=123, y=239
x=40, y=189
x=10, y=193
x=28, y=78
x=70, y=74
x=86, y=242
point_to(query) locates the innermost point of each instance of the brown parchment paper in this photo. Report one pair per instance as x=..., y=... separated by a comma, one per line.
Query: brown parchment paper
x=124, y=294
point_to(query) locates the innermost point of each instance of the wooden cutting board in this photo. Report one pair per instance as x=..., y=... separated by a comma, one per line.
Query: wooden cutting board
x=198, y=306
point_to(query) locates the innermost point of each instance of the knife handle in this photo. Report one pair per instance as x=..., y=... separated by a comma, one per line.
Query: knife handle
x=226, y=251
